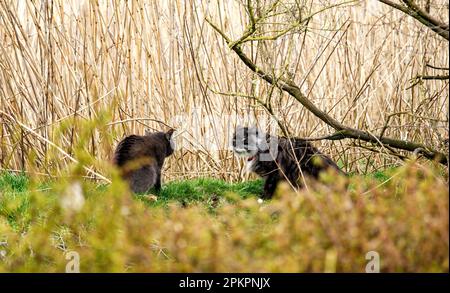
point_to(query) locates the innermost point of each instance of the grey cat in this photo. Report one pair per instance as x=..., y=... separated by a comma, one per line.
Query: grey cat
x=141, y=158
x=277, y=158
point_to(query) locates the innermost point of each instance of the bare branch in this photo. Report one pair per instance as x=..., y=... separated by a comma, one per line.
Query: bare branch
x=438, y=68
x=344, y=132
x=416, y=12
x=433, y=77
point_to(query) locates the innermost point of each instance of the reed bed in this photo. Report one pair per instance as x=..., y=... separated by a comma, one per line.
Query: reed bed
x=152, y=64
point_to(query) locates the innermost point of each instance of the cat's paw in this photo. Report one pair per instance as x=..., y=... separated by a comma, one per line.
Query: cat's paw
x=150, y=197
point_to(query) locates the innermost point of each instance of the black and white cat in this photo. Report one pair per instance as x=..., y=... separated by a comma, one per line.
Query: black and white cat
x=276, y=158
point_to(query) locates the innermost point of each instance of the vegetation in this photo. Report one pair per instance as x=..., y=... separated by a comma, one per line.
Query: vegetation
x=367, y=81
x=151, y=62
x=207, y=225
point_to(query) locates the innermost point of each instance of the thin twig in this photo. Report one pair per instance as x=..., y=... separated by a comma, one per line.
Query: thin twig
x=30, y=130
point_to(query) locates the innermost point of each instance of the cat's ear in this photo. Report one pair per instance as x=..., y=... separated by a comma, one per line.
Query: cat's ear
x=169, y=134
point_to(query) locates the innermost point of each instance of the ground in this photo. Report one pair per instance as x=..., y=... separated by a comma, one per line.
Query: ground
x=208, y=225
x=205, y=191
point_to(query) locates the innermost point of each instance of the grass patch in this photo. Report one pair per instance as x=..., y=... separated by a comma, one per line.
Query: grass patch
x=208, y=231
x=186, y=192
x=14, y=199
x=203, y=190
x=13, y=182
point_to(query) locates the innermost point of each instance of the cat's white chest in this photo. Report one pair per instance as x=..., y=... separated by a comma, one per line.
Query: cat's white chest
x=250, y=165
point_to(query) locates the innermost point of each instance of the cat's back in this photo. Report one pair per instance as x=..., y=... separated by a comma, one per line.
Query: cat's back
x=289, y=146
x=129, y=148
x=311, y=160
x=136, y=146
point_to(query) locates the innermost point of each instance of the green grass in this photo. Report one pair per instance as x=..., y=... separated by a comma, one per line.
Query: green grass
x=382, y=175
x=201, y=225
x=184, y=192
x=13, y=182
x=14, y=198
x=205, y=191
x=15, y=189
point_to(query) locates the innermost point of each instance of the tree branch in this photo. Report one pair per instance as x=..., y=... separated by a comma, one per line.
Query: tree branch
x=417, y=13
x=437, y=67
x=433, y=77
x=344, y=131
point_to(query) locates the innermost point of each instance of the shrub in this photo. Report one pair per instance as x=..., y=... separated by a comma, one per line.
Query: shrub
x=329, y=226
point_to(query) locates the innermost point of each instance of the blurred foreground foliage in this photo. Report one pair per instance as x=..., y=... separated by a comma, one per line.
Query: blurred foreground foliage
x=330, y=226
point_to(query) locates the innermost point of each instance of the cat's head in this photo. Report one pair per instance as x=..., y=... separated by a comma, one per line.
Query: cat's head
x=249, y=141
x=167, y=138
